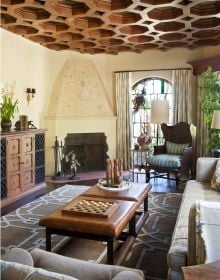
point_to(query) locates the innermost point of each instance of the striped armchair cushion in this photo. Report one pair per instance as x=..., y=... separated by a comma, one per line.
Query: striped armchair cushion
x=175, y=149
x=165, y=160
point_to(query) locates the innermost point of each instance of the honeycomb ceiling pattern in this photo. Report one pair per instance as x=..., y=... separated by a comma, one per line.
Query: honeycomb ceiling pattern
x=113, y=26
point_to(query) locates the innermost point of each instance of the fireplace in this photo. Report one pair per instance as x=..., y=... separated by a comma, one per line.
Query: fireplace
x=90, y=149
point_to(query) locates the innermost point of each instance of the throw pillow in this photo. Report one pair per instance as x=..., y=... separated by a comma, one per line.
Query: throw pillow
x=128, y=275
x=215, y=182
x=13, y=270
x=175, y=149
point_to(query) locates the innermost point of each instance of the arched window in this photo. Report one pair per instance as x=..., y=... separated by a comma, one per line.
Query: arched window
x=153, y=88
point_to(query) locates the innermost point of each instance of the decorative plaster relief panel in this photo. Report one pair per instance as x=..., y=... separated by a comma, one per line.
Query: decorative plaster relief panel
x=79, y=92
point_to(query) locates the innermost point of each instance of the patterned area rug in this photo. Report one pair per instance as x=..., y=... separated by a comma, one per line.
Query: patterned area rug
x=20, y=229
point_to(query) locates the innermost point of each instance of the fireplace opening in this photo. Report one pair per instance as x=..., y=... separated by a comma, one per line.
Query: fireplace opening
x=90, y=149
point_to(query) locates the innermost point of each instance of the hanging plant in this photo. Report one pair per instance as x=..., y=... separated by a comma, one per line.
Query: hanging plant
x=209, y=88
x=140, y=102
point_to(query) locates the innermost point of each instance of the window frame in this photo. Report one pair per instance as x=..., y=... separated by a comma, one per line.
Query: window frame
x=139, y=88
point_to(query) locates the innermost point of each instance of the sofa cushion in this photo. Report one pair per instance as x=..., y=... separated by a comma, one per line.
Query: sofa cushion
x=78, y=268
x=174, y=275
x=192, y=236
x=165, y=160
x=42, y=274
x=215, y=182
x=13, y=270
x=175, y=149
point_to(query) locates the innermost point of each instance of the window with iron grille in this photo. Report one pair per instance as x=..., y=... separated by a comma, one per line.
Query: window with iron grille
x=153, y=88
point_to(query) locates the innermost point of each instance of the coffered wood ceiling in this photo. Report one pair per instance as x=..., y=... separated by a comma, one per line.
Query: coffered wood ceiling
x=112, y=26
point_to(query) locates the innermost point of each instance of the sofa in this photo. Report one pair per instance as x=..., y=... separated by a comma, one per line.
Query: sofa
x=19, y=264
x=183, y=247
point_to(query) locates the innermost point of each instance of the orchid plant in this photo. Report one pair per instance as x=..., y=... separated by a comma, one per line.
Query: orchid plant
x=8, y=107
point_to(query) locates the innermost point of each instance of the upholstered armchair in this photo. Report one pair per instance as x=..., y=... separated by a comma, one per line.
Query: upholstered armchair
x=175, y=156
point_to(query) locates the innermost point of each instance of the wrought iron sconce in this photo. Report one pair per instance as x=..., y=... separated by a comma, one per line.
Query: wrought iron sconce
x=30, y=94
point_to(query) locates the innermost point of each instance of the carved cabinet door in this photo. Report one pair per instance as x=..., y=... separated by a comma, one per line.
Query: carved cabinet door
x=28, y=161
x=20, y=163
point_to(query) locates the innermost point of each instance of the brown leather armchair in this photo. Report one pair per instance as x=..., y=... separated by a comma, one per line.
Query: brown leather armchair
x=175, y=156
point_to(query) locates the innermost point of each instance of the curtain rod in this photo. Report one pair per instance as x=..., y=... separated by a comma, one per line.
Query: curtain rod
x=167, y=69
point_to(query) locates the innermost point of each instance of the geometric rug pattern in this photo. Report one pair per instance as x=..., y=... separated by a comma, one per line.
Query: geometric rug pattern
x=20, y=229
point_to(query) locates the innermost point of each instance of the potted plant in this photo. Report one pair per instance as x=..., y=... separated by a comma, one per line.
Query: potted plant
x=8, y=108
x=209, y=88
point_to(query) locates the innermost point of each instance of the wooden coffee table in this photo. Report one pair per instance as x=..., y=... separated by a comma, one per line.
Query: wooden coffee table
x=136, y=192
x=99, y=228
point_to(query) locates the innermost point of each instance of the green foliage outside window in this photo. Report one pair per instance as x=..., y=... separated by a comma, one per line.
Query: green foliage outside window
x=209, y=88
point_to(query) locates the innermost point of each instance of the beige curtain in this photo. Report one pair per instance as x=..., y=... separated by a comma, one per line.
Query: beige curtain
x=182, y=91
x=123, y=133
x=184, y=102
x=185, y=106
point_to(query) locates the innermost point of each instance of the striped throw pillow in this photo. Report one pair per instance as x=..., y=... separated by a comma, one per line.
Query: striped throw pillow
x=215, y=182
x=175, y=149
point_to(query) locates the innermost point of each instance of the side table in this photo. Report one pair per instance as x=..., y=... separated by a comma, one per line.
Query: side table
x=138, y=162
x=209, y=271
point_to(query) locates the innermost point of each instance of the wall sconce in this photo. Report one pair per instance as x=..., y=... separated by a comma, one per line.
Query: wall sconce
x=30, y=94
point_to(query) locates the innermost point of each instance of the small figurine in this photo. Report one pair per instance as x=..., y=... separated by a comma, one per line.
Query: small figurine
x=31, y=125
x=17, y=125
x=73, y=163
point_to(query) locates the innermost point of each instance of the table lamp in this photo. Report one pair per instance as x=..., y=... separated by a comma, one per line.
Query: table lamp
x=216, y=119
x=159, y=113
